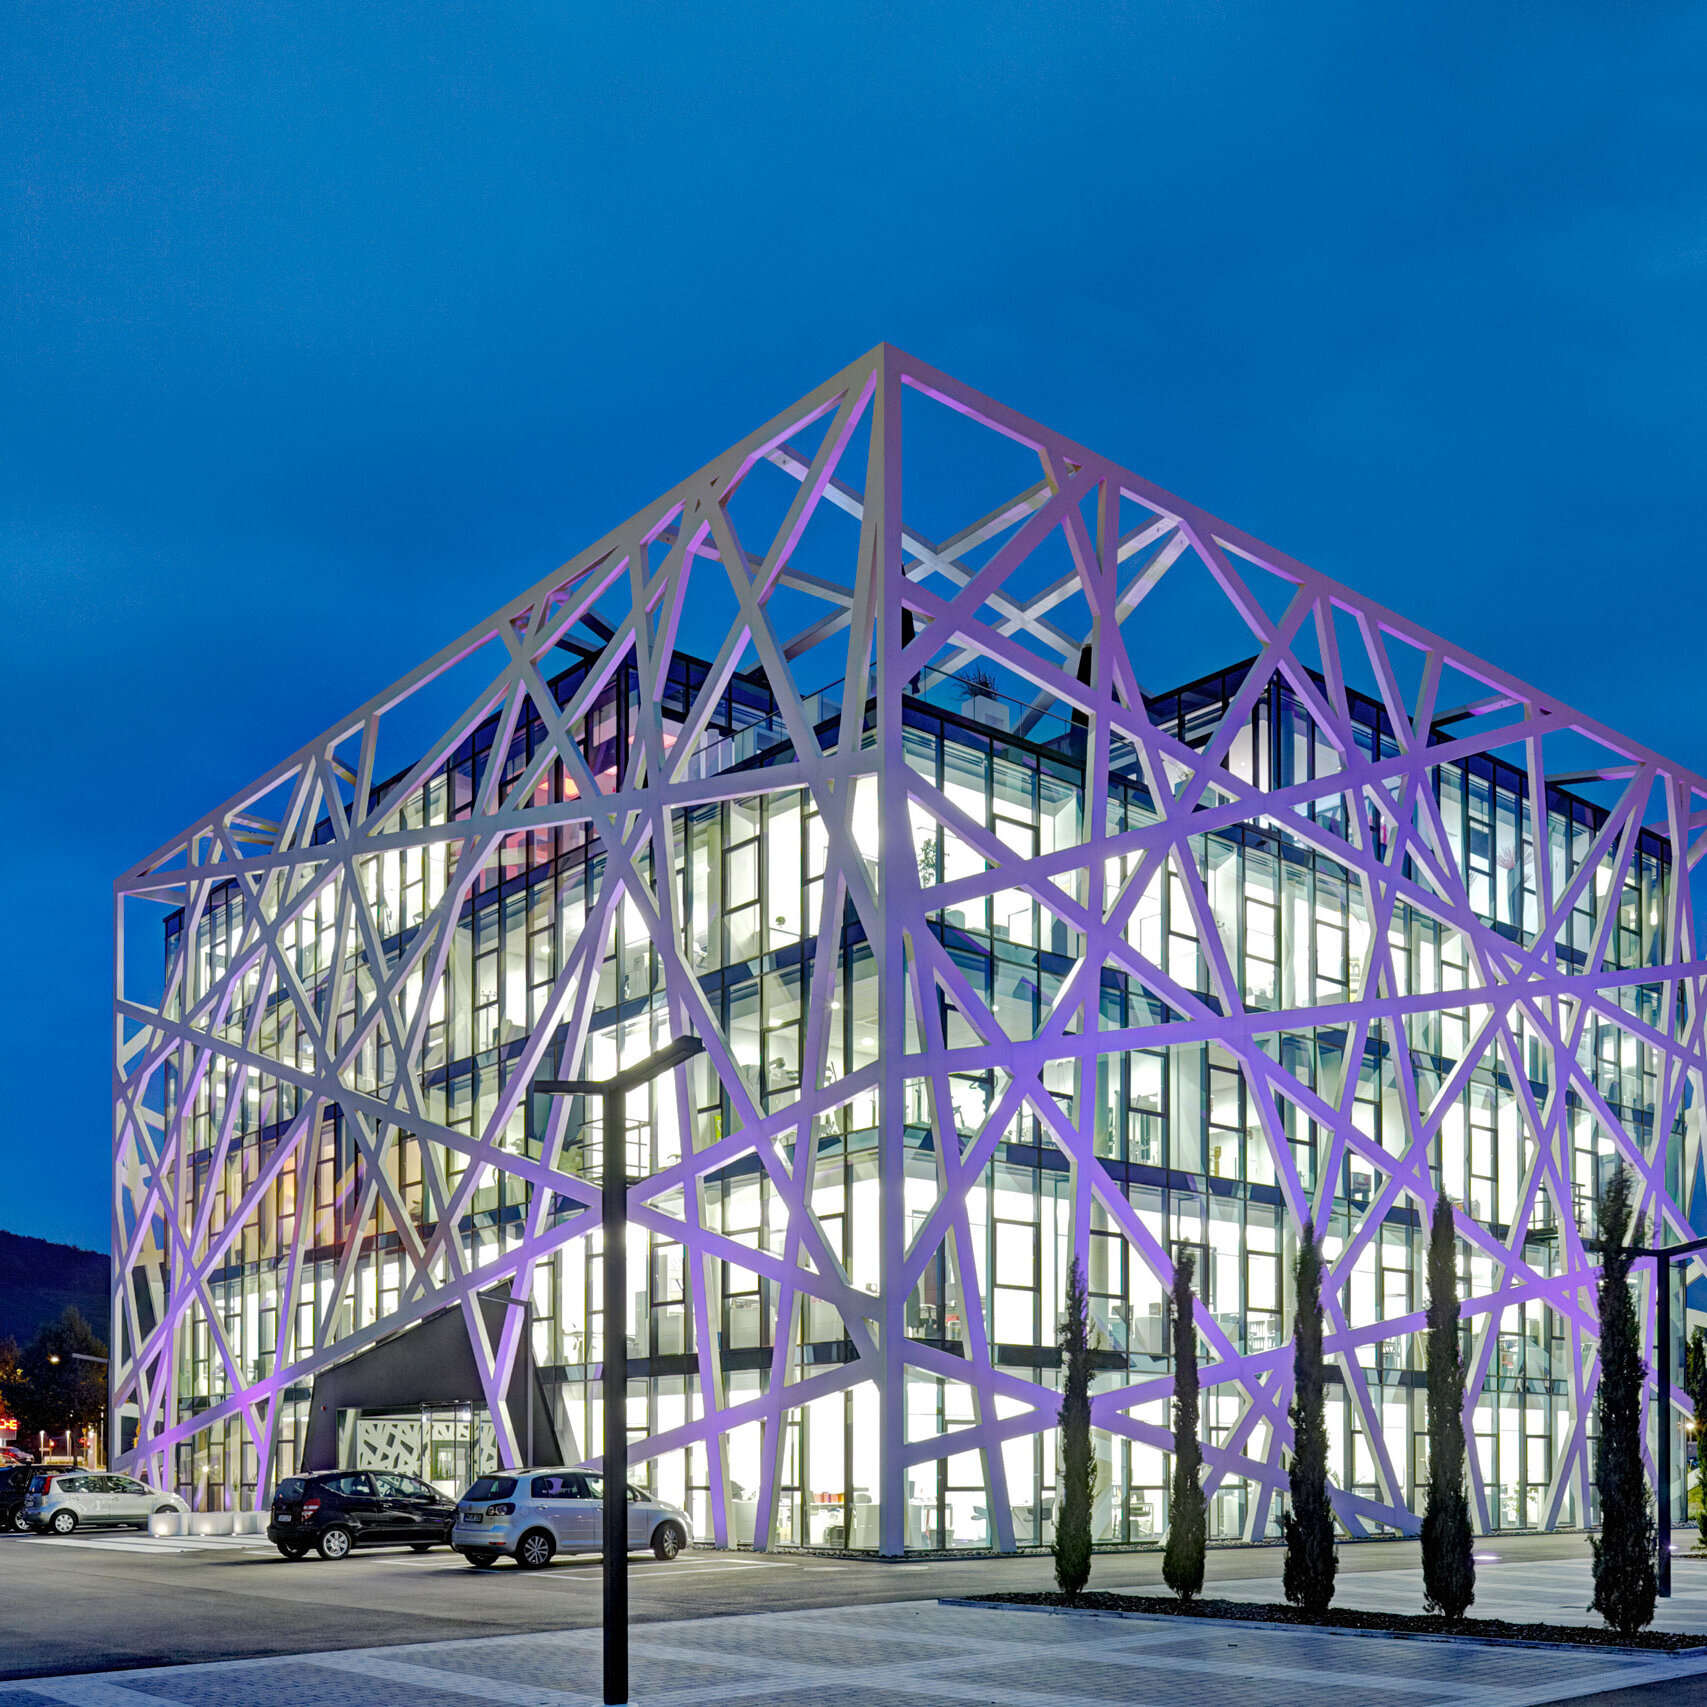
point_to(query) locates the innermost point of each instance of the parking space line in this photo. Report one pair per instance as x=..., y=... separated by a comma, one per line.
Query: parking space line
x=643, y=1578
x=137, y=1544
x=695, y=1570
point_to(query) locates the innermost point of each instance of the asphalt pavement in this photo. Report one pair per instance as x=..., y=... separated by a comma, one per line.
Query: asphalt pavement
x=92, y=1603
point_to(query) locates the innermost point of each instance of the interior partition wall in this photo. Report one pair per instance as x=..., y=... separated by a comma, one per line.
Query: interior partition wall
x=858, y=755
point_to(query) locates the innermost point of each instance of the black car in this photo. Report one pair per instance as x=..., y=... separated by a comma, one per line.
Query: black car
x=14, y=1484
x=341, y=1509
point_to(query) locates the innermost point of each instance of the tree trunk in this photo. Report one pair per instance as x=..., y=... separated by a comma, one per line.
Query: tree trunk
x=1182, y=1564
x=1310, y=1558
x=1624, y=1585
x=1072, y=1545
x=1449, y=1568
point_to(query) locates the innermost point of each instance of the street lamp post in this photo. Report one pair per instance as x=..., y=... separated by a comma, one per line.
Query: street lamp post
x=89, y=1357
x=613, y=1093
x=1664, y=1256
x=106, y=1445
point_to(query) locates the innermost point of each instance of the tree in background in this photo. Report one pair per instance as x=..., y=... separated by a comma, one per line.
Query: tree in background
x=8, y=1374
x=1182, y=1564
x=1449, y=1570
x=1695, y=1382
x=48, y=1389
x=1309, y=1525
x=1072, y=1544
x=1624, y=1585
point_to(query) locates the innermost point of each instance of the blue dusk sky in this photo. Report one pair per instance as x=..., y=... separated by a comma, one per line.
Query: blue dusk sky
x=325, y=328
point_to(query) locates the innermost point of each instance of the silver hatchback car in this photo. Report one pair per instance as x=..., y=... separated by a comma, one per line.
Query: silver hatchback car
x=60, y=1501
x=533, y=1514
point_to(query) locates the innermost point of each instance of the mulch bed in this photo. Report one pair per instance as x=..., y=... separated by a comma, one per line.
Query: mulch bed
x=1387, y=1623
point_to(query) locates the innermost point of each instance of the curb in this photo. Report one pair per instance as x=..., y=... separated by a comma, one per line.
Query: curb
x=1695, y=1653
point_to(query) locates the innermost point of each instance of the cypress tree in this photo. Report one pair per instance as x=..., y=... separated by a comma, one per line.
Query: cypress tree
x=1449, y=1570
x=1309, y=1525
x=1695, y=1380
x=1624, y=1585
x=1072, y=1544
x=1182, y=1564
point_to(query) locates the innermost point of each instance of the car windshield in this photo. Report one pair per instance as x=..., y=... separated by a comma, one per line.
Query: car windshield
x=291, y=1488
x=40, y=1484
x=492, y=1488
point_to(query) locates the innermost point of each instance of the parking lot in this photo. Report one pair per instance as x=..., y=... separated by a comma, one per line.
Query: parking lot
x=92, y=1602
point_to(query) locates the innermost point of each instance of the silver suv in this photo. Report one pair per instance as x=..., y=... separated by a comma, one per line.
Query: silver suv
x=533, y=1514
x=60, y=1501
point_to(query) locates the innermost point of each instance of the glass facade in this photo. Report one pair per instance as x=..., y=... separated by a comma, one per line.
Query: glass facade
x=1173, y=1125
x=999, y=959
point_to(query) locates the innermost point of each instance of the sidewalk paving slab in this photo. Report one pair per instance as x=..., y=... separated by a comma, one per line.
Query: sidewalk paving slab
x=902, y=1655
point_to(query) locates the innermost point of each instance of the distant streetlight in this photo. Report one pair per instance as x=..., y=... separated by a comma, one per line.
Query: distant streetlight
x=614, y=1217
x=82, y=1357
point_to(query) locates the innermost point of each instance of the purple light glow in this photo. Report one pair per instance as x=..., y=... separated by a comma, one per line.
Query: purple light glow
x=1462, y=996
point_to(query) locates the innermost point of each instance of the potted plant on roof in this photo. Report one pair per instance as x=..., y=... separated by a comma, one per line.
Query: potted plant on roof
x=981, y=697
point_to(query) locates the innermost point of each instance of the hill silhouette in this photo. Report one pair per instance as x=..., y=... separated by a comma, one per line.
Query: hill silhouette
x=39, y=1278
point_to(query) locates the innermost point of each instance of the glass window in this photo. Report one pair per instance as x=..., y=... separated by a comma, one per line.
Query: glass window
x=564, y=1487
x=491, y=1488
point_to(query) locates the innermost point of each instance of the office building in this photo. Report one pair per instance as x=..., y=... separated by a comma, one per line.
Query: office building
x=862, y=754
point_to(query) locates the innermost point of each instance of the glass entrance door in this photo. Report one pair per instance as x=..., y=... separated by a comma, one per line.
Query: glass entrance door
x=447, y=1445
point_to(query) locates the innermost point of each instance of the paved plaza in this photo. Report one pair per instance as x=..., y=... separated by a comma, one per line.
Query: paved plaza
x=106, y=1613
x=890, y=1656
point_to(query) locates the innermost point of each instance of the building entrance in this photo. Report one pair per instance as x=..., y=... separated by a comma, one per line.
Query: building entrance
x=447, y=1445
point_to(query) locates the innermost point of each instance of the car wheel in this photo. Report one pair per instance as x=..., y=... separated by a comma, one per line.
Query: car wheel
x=63, y=1522
x=335, y=1542
x=163, y=1511
x=481, y=1558
x=291, y=1551
x=20, y=1522
x=534, y=1550
x=667, y=1542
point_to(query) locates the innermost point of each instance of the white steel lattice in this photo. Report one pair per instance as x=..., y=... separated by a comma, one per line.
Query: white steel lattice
x=998, y=953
